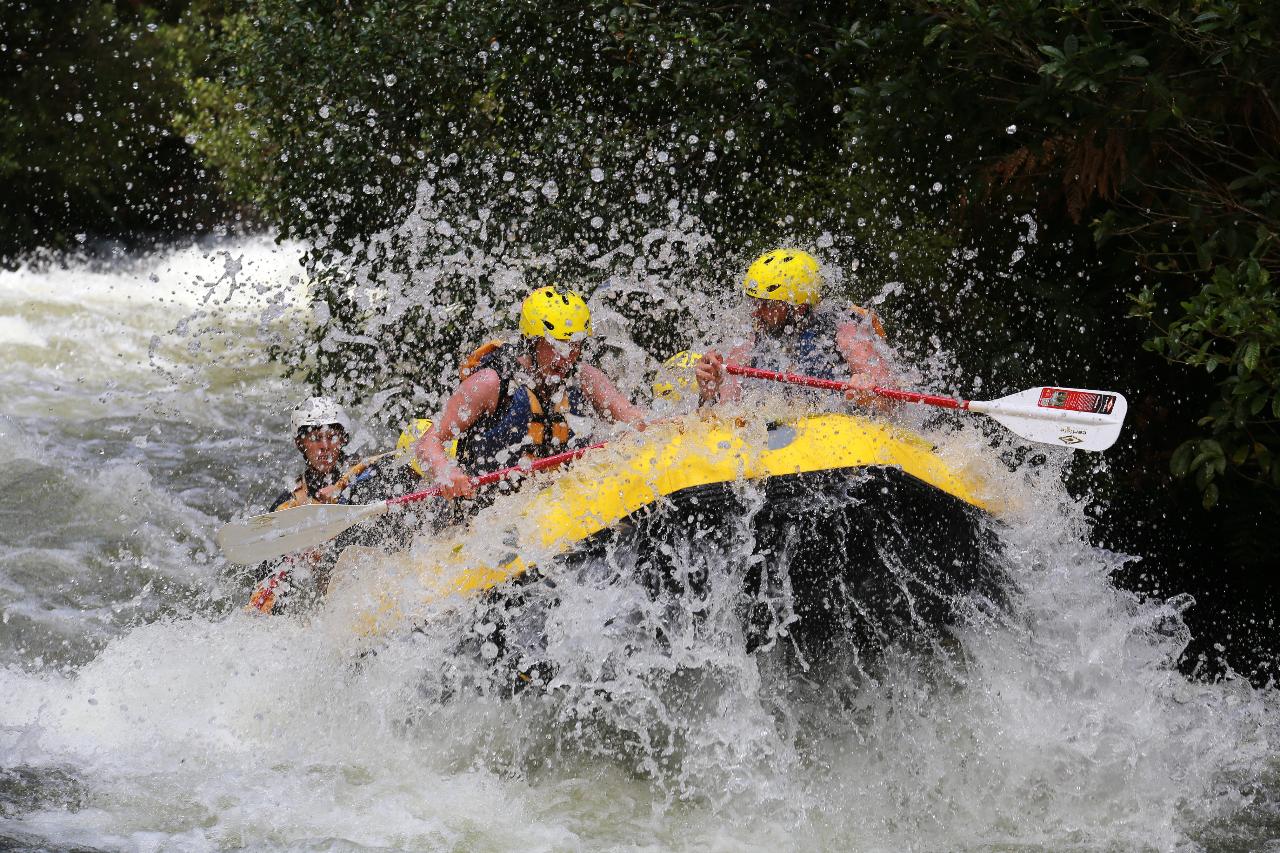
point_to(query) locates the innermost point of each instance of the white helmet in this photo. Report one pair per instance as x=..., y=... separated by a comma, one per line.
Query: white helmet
x=318, y=412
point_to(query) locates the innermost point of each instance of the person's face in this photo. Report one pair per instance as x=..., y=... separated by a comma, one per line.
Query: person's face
x=770, y=315
x=556, y=358
x=322, y=446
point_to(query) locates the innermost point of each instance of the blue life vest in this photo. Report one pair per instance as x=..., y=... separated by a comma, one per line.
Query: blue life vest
x=811, y=351
x=521, y=425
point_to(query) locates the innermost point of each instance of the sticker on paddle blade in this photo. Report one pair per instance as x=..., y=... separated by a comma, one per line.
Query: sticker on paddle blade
x=1076, y=401
x=1072, y=437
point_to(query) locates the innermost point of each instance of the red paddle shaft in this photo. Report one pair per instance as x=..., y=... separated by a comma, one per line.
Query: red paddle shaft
x=832, y=385
x=495, y=476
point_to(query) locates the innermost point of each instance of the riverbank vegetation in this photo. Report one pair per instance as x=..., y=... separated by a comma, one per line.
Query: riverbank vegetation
x=1067, y=191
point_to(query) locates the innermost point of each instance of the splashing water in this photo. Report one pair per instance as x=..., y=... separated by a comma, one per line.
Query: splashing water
x=140, y=709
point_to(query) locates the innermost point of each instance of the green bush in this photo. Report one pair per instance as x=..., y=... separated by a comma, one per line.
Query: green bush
x=441, y=154
x=1154, y=124
x=86, y=143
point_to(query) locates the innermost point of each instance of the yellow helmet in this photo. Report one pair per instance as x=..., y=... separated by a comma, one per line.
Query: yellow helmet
x=412, y=433
x=785, y=275
x=674, y=377
x=552, y=312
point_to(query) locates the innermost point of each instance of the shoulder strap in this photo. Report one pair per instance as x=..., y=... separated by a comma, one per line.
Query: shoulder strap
x=477, y=359
x=869, y=315
x=298, y=497
x=359, y=468
x=537, y=419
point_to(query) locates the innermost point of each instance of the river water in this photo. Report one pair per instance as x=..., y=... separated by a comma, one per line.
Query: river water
x=140, y=709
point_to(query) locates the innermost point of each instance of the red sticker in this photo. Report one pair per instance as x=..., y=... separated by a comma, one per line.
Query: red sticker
x=1076, y=401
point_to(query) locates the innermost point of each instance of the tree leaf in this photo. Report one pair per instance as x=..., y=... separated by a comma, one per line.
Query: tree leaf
x=1240, y=455
x=933, y=34
x=1180, y=462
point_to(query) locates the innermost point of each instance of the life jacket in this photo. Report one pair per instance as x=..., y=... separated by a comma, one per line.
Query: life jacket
x=812, y=351
x=300, y=495
x=521, y=425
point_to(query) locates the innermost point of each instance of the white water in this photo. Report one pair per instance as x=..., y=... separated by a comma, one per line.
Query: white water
x=140, y=710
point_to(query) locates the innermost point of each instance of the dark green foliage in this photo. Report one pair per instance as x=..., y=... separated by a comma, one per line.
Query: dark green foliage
x=1232, y=325
x=1153, y=123
x=86, y=144
x=448, y=155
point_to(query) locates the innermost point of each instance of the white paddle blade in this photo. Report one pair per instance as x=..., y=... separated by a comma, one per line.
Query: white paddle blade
x=1070, y=417
x=274, y=534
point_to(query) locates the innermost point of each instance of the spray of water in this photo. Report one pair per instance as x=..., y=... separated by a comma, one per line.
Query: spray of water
x=139, y=708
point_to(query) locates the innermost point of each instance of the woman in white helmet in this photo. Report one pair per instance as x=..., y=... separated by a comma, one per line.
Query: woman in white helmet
x=321, y=432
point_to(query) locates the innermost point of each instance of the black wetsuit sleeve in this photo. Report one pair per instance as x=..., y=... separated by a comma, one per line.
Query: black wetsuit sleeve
x=280, y=500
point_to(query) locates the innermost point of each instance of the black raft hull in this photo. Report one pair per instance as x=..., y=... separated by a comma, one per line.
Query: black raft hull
x=826, y=564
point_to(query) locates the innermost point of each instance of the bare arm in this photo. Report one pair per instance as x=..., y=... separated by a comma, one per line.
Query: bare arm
x=475, y=397
x=606, y=398
x=867, y=364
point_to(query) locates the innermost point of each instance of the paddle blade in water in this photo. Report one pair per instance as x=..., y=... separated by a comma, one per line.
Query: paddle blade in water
x=1070, y=417
x=274, y=534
